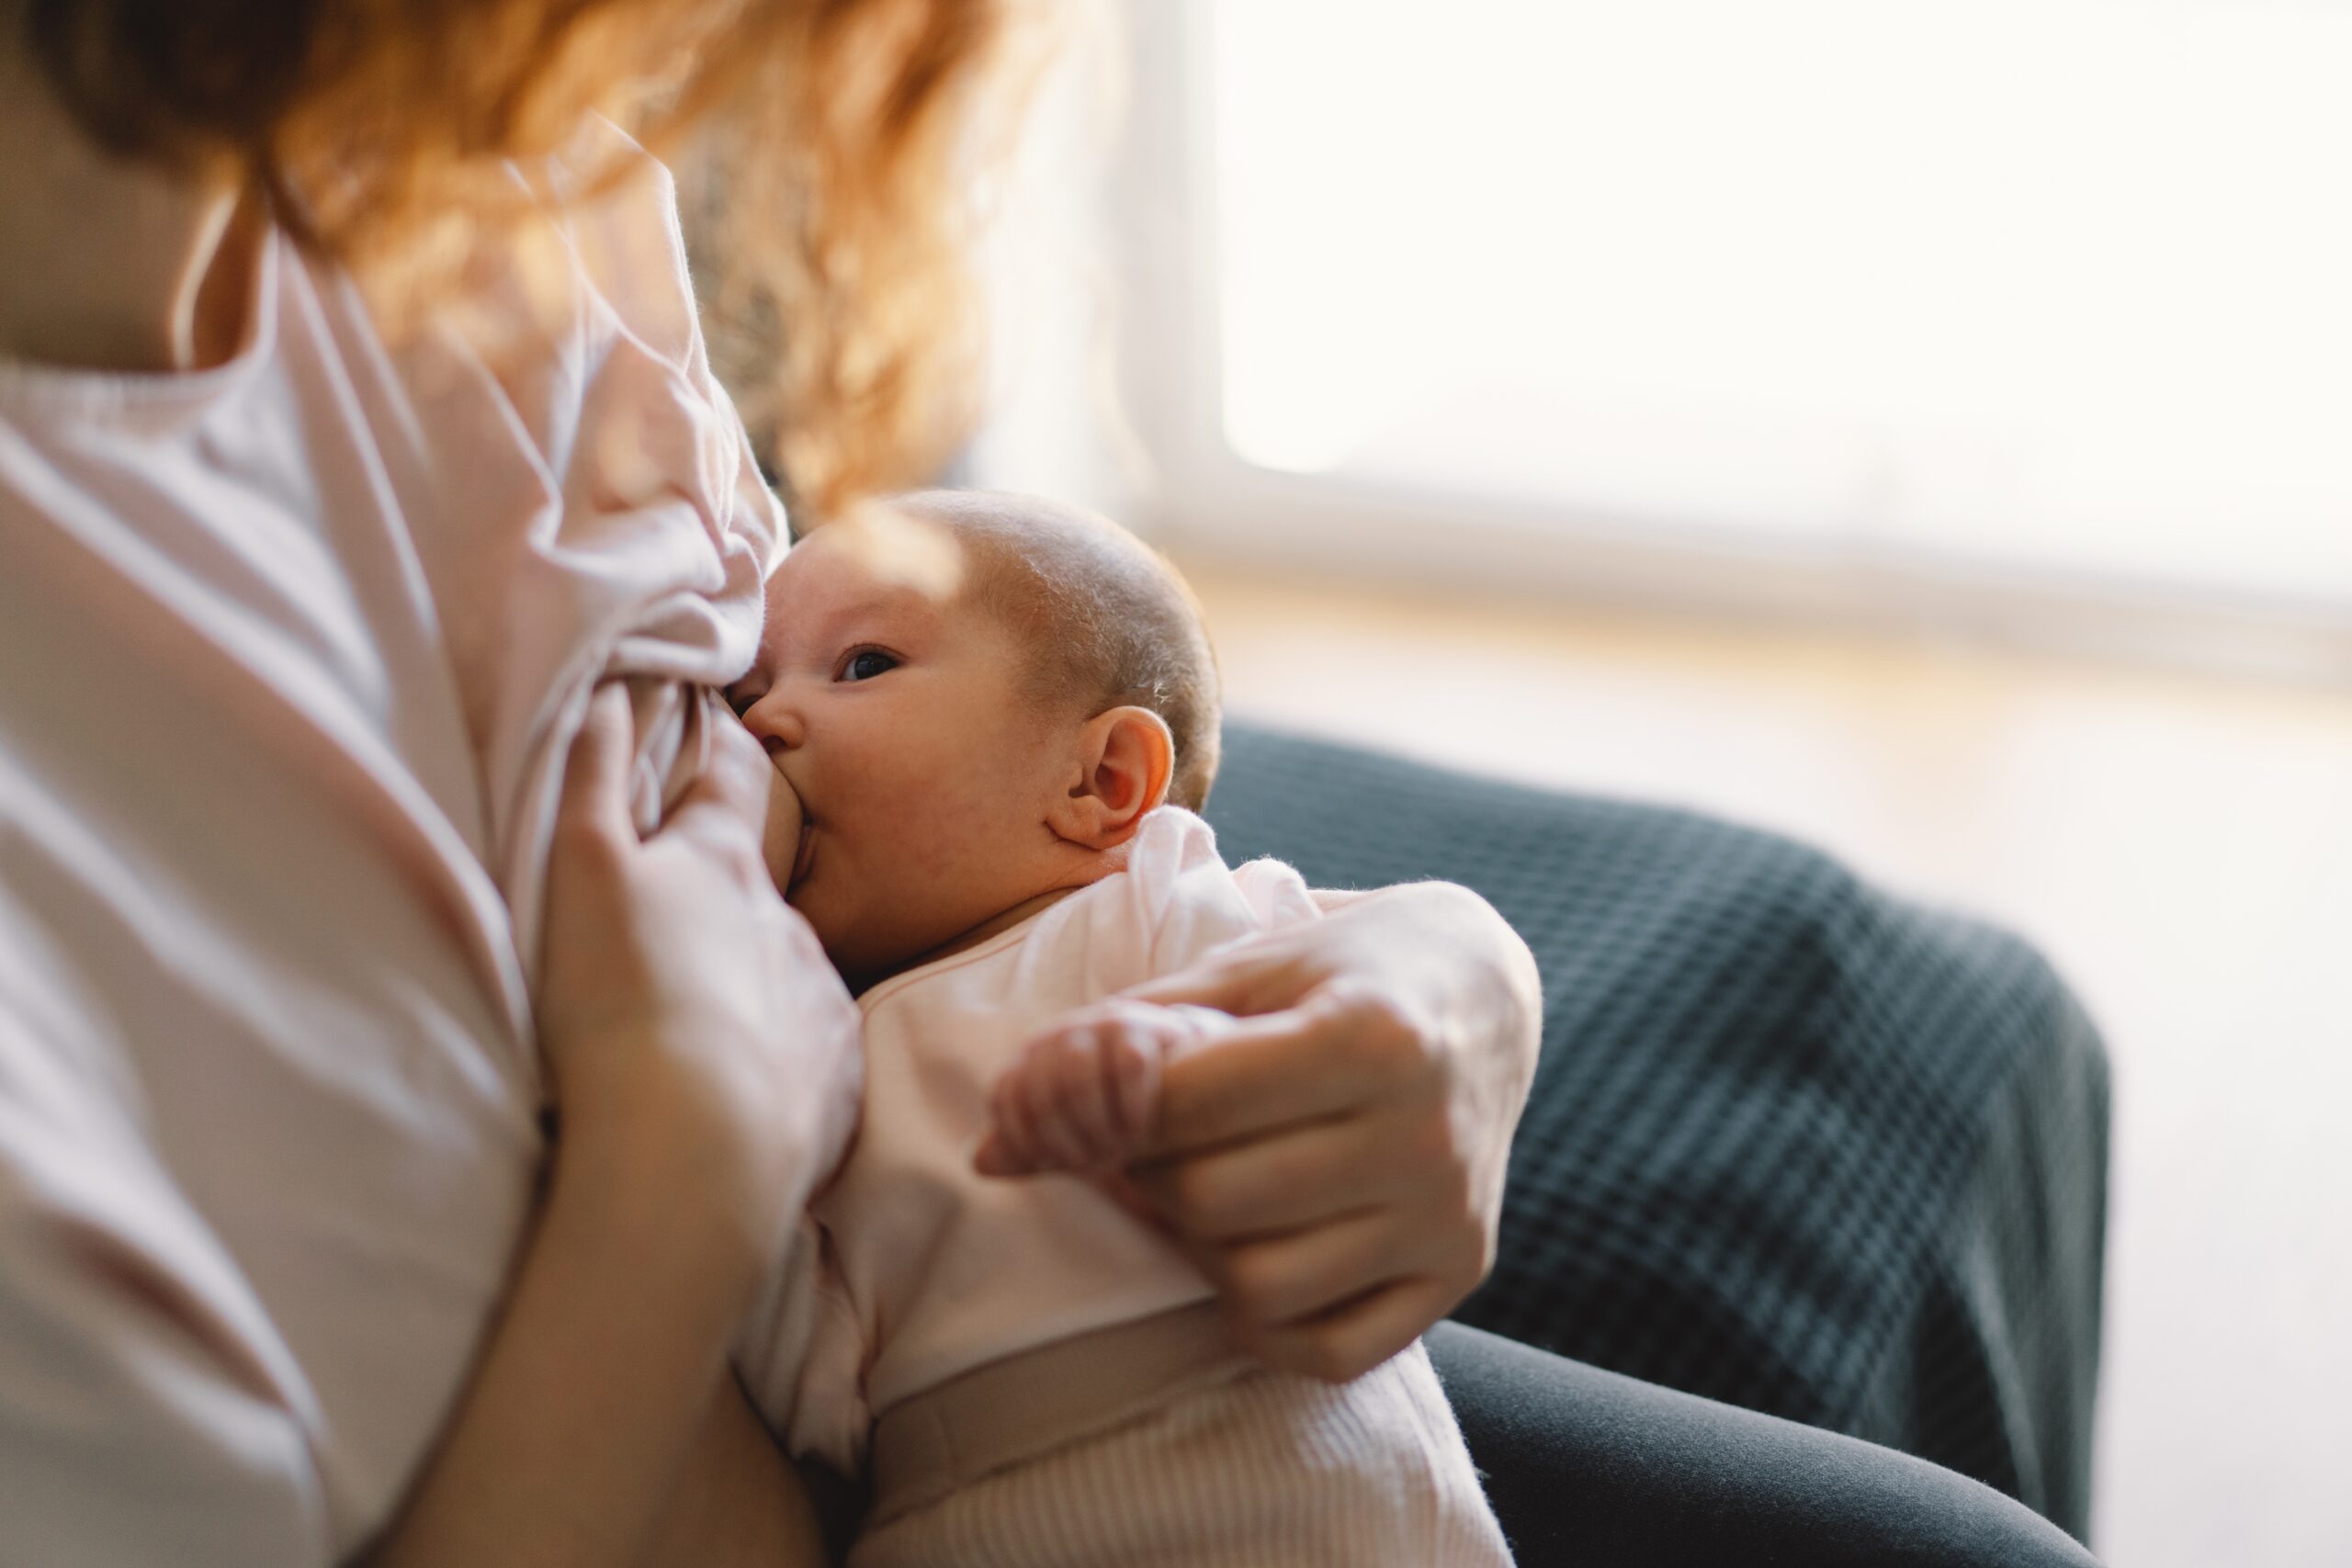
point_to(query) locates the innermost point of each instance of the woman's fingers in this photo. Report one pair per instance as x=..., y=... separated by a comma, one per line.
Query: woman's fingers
x=595, y=776
x=1350, y=1340
x=1244, y=984
x=1275, y=1280
x=1306, y=1159
x=587, y=867
x=727, y=804
x=1300, y=1176
x=735, y=776
x=1340, y=1050
x=688, y=1019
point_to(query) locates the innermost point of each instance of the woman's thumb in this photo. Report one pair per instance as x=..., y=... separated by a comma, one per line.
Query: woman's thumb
x=1220, y=984
x=730, y=795
x=596, y=773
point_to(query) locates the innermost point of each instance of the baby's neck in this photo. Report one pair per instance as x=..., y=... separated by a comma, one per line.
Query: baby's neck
x=1095, y=868
x=996, y=924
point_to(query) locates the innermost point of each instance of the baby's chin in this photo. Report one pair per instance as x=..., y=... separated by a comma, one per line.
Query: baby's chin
x=860, y=964
x=835, y=933
x=864, y=955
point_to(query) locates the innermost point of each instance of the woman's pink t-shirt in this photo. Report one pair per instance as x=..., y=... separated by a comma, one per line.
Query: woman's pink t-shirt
x=291, y=653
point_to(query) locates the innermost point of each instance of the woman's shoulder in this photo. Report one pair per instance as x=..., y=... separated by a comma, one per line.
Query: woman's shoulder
x=587, y=258
x=614, y=205
x=587, y=503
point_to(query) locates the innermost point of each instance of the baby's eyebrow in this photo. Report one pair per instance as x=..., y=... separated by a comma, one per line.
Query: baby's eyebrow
x=884, y=596
x=894, y=603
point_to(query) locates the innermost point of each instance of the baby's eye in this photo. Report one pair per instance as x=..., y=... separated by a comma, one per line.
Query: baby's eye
x=866, y=663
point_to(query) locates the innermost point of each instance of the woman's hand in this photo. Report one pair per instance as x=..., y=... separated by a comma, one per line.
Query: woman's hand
x=1334, y=1160
x=704, y=1057
x=692, y=1026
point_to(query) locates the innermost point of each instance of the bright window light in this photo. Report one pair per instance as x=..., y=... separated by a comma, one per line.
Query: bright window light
x=2065, y=283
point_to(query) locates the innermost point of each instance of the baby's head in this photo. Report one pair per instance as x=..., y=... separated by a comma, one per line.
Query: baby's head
x=976, y=697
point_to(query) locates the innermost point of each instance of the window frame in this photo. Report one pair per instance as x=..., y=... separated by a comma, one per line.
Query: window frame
x=1204, y=499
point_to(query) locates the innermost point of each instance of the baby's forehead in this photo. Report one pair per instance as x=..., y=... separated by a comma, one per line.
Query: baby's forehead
x=949, y=566
x=879, y=555
x=921, y=580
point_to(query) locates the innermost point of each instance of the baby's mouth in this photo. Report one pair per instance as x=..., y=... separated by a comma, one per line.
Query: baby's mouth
x=806, y=853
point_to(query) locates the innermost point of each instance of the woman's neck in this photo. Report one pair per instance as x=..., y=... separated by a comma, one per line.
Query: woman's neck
x=111, y=263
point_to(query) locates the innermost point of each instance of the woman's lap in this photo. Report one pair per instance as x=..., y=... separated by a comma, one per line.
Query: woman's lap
x=1592, y=1468
x=1589, y=1467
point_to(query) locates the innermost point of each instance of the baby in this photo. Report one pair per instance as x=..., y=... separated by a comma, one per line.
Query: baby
x=999, y=716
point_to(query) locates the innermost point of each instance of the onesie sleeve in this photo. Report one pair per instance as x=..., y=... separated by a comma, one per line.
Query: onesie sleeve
x=149, y=1412
x=1188, y=900
x=1275, y=893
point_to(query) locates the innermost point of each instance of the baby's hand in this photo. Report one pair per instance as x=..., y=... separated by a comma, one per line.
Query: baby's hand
x=1085, y=1095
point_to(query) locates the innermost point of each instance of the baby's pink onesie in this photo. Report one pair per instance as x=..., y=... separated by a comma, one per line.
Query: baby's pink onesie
x=1029, y=1372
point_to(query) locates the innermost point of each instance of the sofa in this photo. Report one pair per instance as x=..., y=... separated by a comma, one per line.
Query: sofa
x=1794, y=1143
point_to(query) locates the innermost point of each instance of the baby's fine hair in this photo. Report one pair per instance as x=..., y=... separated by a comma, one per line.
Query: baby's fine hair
x=1107, y=620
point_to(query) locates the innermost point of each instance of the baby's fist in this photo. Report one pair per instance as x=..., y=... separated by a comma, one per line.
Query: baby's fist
x=1084, y=1096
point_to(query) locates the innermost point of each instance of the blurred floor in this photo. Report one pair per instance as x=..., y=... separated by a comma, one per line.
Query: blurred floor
x=2181, y=846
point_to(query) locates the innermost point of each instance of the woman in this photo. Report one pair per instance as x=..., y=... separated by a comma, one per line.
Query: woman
x=372, y=534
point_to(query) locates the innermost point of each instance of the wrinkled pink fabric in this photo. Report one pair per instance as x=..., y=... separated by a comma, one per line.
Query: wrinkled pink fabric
x=290, y=654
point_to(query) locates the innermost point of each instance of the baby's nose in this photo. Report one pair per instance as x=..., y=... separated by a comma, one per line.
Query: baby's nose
x=775, y=721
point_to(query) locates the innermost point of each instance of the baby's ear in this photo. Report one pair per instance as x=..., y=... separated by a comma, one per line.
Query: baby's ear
x=1125, y=756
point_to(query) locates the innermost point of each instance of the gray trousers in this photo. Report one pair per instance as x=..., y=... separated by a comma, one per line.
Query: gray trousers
x=1588, y=1467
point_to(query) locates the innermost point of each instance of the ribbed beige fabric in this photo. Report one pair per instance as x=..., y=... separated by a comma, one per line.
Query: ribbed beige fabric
x=1151, y=1445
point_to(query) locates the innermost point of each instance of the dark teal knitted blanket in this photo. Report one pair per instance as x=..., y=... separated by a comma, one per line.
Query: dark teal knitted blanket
x=1795, y=1143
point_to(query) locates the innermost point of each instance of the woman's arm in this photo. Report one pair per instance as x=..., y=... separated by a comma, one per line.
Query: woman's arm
x=1336, y=1163
x=740, y=1501
x=598, y=1386
x=699, y=1045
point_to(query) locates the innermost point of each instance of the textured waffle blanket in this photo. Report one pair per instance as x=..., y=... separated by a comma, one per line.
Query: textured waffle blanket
x=1795, y=1143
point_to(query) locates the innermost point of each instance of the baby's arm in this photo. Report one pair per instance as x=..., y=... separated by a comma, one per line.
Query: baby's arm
x=1086, y=1095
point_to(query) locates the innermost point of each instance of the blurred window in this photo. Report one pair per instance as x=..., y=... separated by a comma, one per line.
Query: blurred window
x=2058, y=283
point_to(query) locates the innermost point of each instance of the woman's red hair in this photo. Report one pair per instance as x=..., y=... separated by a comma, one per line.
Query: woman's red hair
x=840, y=141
